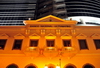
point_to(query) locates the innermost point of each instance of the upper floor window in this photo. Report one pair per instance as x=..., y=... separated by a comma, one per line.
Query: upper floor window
x=33, y=43
x=17, y=44
x=50, y=43
x=83, y=44
x=66, y=43
x=2, y=43
x=97, y=43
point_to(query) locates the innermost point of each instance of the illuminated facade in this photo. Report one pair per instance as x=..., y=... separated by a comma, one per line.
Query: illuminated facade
x=49, y=42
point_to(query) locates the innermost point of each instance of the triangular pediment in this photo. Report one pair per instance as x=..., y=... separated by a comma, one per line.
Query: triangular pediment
x=50, y=36
x=81, y=35
x=19, y=36
x=34, y=36
x=3, y=36
x=50, y=18
x=51, y=21
x=95, y=35
x=66, y=36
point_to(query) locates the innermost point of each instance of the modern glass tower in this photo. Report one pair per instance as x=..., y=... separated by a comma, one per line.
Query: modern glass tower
x=51, y=7
x=13, y=12
x=84, y=11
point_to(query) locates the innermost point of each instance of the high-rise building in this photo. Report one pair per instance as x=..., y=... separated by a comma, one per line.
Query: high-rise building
x=13, y=12
x=84, y=11
x=51, y=7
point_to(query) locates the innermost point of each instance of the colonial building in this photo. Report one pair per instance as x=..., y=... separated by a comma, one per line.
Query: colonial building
x=49, y=42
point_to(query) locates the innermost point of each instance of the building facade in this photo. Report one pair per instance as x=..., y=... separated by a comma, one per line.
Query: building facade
x=50, y=42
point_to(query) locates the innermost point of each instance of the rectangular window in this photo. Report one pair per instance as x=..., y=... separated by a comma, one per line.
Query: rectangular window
x=33, y=43
x=2, y=43
x=17, y=44
x=50, y=43
x=83, y=44
x=97, y=43
x=66, y=43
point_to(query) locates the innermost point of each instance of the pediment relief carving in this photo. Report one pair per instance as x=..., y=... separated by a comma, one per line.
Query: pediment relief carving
x=19, y=36
x=81, y=36
x=66, y=36
x=3, y=36
x=34, y=36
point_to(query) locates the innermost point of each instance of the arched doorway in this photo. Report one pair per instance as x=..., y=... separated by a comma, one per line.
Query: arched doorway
x=88, y=66
x=30, y=66
x=51, y=66
x=12, y=66
x=70, y=66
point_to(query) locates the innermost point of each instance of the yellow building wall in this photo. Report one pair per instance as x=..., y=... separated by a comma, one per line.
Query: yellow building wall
x=41, y=56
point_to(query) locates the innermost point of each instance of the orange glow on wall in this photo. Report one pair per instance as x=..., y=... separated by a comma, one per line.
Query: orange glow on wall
x=42, y=56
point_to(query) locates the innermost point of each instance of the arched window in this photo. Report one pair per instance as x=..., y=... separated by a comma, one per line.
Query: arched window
x=12, y=66
x=70, y=66
x=30, y=66
x=88, y=66
x=51, y=66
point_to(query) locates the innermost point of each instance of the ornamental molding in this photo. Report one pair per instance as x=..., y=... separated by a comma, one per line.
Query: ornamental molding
x=19, y=36
x=34, y=36
x=4, y=36
x=66, y=36
x=81, y=36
